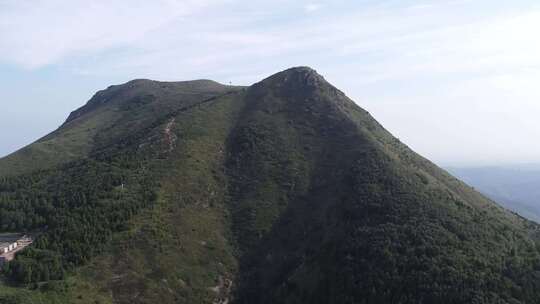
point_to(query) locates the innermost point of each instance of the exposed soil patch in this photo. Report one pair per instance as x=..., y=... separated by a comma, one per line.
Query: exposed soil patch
x=170, y=137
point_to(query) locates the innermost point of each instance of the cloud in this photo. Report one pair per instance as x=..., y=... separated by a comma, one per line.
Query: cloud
x=158, y=36
x=38, y=33
x=311, y=7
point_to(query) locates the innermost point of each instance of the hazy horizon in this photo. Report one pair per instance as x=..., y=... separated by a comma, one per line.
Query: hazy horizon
x=455, y=80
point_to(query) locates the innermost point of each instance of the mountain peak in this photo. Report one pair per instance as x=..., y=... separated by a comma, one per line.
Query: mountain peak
x=301, y=69
x=296, y=76
x=305, y=70
x=302, y=86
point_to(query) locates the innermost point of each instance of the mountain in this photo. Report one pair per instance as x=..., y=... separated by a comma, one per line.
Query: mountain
x=515, y=187
x=114, y=112
x=282, y=192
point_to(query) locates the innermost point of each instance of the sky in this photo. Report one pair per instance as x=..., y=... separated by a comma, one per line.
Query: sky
x=456, y=80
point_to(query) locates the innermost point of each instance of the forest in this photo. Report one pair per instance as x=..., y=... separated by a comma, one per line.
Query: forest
x=74, y=210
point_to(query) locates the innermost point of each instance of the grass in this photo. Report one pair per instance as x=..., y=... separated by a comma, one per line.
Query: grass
x=64, y=145
x=73, y=290
x=179, y=250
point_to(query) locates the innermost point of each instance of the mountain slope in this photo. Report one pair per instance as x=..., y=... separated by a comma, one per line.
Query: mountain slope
x=112, y=113
x=359, y=213
x=283, y=192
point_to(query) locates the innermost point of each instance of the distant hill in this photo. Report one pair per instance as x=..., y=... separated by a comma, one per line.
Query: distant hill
x=282, y=192
x=515, y=187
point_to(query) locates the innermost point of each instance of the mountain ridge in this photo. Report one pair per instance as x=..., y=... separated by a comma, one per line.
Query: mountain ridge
x=76, y=136
x=102, y=96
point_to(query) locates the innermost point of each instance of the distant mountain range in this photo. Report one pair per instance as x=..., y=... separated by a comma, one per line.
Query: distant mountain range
x=285, y=191
x=515, y=187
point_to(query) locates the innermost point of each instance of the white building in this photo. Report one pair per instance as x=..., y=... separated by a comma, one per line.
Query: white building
x=7, y=247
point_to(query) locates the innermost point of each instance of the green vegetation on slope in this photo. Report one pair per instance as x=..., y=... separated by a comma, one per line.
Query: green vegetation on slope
x=84, y=206
x=369, y=221
x=286, y=192
x=66, y=144
x=111, y=114
x=180, y=249
x=78, y=207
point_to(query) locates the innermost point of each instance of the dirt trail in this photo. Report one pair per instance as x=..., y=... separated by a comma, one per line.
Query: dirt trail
x=170, y=137
x=223, y=290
